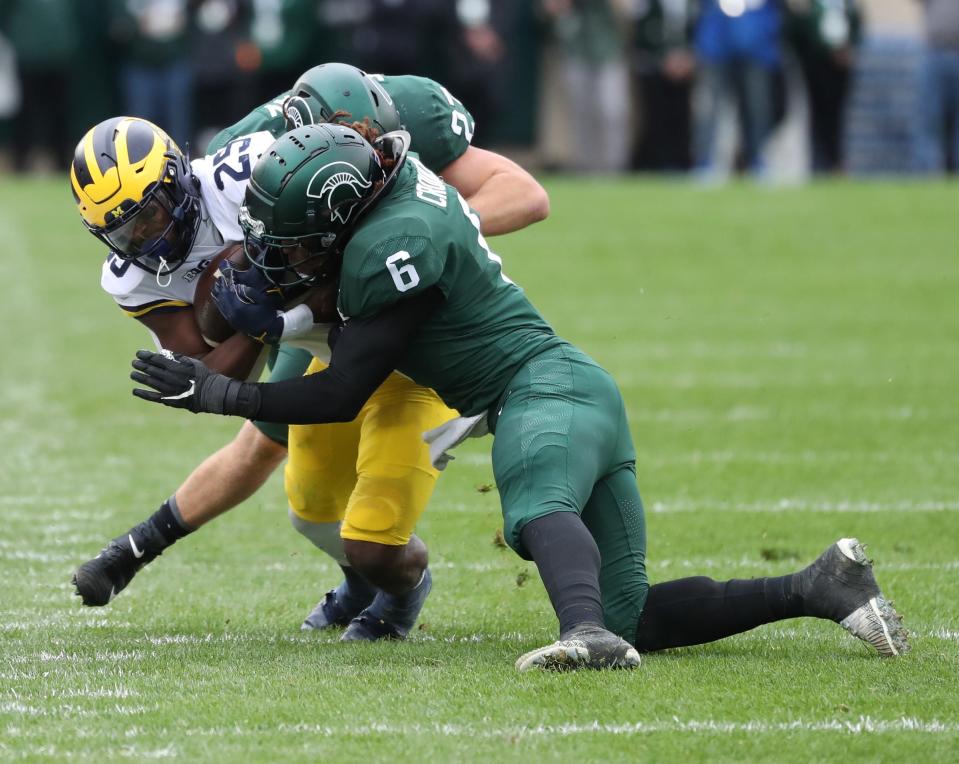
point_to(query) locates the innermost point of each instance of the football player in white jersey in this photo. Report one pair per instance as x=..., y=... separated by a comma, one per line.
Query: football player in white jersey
x=164, y=221
x=137, y=193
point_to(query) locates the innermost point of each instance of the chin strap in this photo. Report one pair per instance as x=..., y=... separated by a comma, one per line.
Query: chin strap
x=164, y=267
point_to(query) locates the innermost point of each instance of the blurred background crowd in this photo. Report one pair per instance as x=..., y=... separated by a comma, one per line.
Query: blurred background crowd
x=769, y=88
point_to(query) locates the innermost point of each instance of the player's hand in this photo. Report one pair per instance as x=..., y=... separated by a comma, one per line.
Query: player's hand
x=186, y=383
x=250, y=303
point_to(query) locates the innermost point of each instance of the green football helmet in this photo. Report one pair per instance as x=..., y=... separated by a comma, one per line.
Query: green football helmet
x=327, y=89
x=307, y=193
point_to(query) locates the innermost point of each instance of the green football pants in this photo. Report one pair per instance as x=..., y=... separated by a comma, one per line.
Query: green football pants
x=562, y=444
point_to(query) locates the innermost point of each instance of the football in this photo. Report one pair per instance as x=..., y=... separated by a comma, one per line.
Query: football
x=213, y=326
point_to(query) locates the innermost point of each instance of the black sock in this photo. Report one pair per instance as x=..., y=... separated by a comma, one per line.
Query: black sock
x=358, y=592
x=162, y=529
x=691, y=611
x=568, y=561
x=168, y=522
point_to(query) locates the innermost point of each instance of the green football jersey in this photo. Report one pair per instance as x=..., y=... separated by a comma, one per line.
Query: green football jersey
x=423, y=234
x=439, y=124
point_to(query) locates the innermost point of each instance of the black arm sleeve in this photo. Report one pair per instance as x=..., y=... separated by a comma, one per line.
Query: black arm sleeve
x=364, y=353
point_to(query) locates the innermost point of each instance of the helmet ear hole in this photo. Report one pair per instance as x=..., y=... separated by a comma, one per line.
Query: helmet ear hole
x=330, y=89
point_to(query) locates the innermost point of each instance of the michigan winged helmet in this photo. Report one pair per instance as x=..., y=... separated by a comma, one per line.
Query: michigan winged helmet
x=135, y=192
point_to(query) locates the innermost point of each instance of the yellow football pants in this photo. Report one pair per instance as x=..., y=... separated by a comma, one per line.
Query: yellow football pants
x=373, y=473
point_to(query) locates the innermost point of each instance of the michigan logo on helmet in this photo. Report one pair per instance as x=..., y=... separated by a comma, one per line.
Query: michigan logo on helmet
x=135, y=192
x=342, y=188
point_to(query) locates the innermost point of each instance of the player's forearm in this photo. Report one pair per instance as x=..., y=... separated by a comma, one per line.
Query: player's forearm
x=235, y=357
x=327, y=396
x=365, y=351
x=178, y=332
x=507, y=202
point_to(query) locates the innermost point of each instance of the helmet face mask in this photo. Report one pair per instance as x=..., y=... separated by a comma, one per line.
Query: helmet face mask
x=135, y=193
x=153, y=232
x=290, y=261
x=307, y=194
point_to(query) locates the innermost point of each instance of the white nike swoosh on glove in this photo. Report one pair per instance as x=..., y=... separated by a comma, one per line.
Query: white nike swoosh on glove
x=185, y=394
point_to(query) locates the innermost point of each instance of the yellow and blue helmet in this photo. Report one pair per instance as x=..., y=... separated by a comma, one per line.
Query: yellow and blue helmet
x=135, y=192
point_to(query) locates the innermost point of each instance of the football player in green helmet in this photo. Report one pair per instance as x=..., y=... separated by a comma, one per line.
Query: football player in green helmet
x=506, y=196
x=309, y=102
x=421, y=292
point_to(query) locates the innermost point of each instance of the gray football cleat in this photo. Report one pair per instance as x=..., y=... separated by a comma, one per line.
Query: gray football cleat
x=586, y=646
x=328, y=614
x=365, y=628
x=840, y=586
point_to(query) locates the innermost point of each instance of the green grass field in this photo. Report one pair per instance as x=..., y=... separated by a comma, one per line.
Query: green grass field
x=789, y=361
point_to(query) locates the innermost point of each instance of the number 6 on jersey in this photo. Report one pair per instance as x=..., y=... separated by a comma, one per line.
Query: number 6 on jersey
x=405, y=277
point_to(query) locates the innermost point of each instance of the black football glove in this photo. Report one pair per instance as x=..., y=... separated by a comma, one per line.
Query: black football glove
x=186, y=383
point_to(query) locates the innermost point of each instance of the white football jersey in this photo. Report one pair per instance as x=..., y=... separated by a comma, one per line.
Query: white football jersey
x=223, y=179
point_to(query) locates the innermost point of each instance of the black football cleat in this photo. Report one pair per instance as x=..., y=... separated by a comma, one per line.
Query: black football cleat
x=366, y=628
x=101, y=579
x=390, y=617
x=841, y=587
x=586, y=646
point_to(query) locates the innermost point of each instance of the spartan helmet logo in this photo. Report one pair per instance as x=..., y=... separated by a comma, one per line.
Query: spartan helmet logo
x=295, y=109
x=341, y=191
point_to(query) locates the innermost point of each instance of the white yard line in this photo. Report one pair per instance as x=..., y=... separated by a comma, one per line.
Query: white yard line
x=729, y=563
x=787, y=504
x=68, y=709
x=799, y=457
x=774, y=505
x=857, y=726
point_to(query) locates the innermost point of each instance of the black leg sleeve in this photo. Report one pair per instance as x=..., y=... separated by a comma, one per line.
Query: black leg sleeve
x=691, y=611
x=568, y=561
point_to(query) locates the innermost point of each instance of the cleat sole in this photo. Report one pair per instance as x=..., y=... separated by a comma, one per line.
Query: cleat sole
x=570, y=655
x=878, y=624
x=559, y=656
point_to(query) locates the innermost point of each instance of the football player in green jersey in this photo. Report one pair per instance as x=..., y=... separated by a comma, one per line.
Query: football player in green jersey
x=505, y=194
x=421, y=292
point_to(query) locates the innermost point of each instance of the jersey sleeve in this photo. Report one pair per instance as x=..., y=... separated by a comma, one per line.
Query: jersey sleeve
x=136, y=291
x=440, y=126
x=224, y=176
x=379, y=272
x=268, y=117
